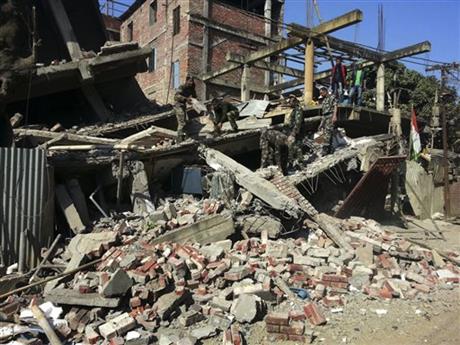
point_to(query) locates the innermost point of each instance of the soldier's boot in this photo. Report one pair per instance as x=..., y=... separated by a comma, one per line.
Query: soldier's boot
x=233, y=124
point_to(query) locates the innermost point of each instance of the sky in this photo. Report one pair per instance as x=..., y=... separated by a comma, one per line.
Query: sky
x=406, y=22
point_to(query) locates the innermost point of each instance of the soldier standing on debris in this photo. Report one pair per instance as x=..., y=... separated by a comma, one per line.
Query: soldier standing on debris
x=223, y=111
x=328, y=108
x=339, y=78
x=272, y=141
x=356, y=84
x=184, y=95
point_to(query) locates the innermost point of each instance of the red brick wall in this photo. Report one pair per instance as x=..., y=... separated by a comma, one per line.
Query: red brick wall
x=229, y=15
x=168, y=48
x=187, y=45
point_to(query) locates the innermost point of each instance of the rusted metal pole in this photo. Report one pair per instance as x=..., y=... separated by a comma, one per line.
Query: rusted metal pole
x=445, y=149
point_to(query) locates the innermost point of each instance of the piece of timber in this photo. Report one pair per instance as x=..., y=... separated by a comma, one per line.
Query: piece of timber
x=72, y=297
x=261, y=188
x=43, y=136
x=347, y=19
x=211, y=229
x=146, y=136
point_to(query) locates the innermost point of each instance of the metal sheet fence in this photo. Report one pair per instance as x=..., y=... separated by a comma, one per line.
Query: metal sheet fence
x=26, y=204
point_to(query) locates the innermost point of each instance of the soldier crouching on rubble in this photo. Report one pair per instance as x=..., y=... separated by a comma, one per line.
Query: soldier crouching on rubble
x=328, y=107
x=184, y=95
x=272, y=141
x=221, y=111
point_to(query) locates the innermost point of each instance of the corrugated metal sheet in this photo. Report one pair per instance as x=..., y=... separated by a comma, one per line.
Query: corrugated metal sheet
x=454, y=192
x=26, y=203
x=368, y=196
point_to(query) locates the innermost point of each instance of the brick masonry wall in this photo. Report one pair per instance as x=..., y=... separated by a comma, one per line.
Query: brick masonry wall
x=186, y=47
x=168, y=48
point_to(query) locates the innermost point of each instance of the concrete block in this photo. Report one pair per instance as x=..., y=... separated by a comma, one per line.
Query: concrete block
x=119, y=283
x=246, y=308
x=118, y=326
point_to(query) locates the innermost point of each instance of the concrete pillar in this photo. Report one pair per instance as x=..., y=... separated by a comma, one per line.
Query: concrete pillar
x=309, y=71
x=380, y=98
x=205, y=52
x=268, y=33
x=245, y=89
x=395, y=123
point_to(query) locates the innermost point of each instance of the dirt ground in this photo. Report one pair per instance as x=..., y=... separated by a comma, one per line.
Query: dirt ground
x=434, y=319
x=430, y=319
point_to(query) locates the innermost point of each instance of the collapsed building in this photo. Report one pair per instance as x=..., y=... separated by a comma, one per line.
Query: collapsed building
x=148, y=239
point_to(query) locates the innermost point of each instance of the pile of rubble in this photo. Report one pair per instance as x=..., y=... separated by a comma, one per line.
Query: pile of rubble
x=181, y=293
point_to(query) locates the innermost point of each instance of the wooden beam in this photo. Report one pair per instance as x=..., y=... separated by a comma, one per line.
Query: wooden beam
x=318, y=76
x=350, y=48
x=267, y=66
x=415, y=49
x=232, y=85
x=324, y=28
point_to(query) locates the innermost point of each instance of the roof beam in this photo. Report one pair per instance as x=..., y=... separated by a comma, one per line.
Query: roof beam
x=347, y=19
x=267, y=66
x=318, y=76
x=415, y=49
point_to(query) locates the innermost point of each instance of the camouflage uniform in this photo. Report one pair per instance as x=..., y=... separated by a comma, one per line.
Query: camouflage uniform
x=226, y=111
x=272, y=141
x=180, y=99
x=328, y=107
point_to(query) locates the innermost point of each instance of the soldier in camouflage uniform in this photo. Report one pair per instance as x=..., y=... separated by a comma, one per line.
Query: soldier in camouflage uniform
x=223, y=111
x=183, y=96
x=328, y=106
x=272, y=141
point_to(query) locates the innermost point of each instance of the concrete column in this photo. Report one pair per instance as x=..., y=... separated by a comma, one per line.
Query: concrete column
x=309, y=71
x=205, y=52
x=245, y=90
x=268, y=33
x=380, y=98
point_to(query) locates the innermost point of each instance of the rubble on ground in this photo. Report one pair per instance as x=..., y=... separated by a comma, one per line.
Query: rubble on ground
x=196, y=291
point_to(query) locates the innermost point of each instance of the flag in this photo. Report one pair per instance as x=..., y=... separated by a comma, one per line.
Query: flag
x=415, y=144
